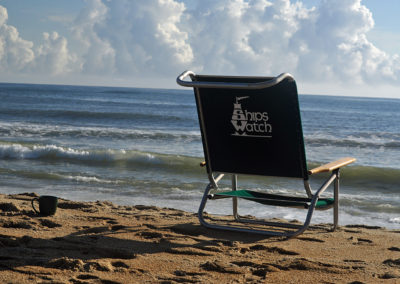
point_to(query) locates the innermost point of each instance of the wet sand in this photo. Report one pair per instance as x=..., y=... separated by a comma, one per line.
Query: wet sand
x=100, y=242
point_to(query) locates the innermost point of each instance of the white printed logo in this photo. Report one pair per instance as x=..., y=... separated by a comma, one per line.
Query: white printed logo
x=246, y=123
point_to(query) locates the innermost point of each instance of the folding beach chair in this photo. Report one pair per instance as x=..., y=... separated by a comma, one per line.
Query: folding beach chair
x=252, y=126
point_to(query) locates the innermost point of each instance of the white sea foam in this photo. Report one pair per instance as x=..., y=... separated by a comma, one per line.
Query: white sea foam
x=386, y=206
x=395, y=220
x=87, y=179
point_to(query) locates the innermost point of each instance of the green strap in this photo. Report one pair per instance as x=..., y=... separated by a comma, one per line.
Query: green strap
x=273, y=199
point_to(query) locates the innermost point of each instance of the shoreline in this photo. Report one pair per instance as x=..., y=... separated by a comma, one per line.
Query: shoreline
x=100, y=242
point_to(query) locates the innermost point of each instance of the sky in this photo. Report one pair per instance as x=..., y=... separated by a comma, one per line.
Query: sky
x=331, y=47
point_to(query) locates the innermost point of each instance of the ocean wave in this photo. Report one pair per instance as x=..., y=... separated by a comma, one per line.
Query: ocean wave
x=86, y=114
x=43, y=175
x=367, y=178
x=355, y=175
x=26, y=151
x=375, y=176
x=385, y=140
x=25, y=130
x=20, y=151
x=108, y=157
x=30, y=174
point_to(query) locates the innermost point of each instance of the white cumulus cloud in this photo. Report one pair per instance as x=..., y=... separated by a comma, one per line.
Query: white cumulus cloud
x=18, y=56
x=243, y=37
x=133, y=37
x=53, y=56
x=327, y=42
x=15, y=53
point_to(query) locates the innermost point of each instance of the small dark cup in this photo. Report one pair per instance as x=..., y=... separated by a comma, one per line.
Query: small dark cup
x=47, y=205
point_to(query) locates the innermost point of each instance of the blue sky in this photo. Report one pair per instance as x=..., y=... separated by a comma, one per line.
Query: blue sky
x=338, y=47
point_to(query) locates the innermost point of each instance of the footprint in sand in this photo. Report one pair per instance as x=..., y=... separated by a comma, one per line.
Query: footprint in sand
x=259, y=270
x=394, y=249
x=209, y=248
x=392, y=262
x=119, y=264
x=390, y=275
x=17, y=225
x=117, y=227
x=187, y=273
x=311, y=240
x=245, y=263
x=187, y=251
x=273, y=250
x=99, y=265
x=221, y=267
x=354, y=261
x=65, y=263
x=87, y=277
x=360, y=241
x=105, y=281
x=150, y=234
x=9, y=207
x=73, y=205
x=305, y=264
x=49, y=224
x=93, y=277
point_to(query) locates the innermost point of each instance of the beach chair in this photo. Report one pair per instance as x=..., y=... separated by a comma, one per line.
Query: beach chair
x=252, y=126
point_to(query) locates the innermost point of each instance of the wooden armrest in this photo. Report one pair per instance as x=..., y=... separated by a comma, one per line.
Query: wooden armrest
x=332, y=166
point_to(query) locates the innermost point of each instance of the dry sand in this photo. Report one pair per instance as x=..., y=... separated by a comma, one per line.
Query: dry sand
x=99, y=242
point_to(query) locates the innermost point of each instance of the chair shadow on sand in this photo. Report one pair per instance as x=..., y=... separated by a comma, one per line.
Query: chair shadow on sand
x=88, y=247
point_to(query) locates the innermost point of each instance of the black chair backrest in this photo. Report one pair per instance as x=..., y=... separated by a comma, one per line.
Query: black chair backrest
x=251, y=131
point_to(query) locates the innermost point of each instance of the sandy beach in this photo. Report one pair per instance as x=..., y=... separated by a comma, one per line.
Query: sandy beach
x=100, y=242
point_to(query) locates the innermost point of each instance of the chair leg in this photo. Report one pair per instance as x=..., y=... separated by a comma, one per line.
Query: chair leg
x=203, y=205
x=336, y=202
x=235, y=199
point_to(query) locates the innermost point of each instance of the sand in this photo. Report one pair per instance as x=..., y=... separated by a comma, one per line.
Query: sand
x=99, y=242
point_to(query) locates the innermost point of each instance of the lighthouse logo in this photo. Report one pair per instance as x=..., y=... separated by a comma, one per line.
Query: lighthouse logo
x=247, y=123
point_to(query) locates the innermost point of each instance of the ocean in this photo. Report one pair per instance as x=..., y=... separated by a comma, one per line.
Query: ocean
x=136, y=146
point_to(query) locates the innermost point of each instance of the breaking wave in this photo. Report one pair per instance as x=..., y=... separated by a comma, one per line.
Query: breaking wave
x=384, y=177
x=107, y=157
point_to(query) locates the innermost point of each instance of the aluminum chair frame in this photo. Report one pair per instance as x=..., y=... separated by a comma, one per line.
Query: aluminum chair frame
x=334, y=177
